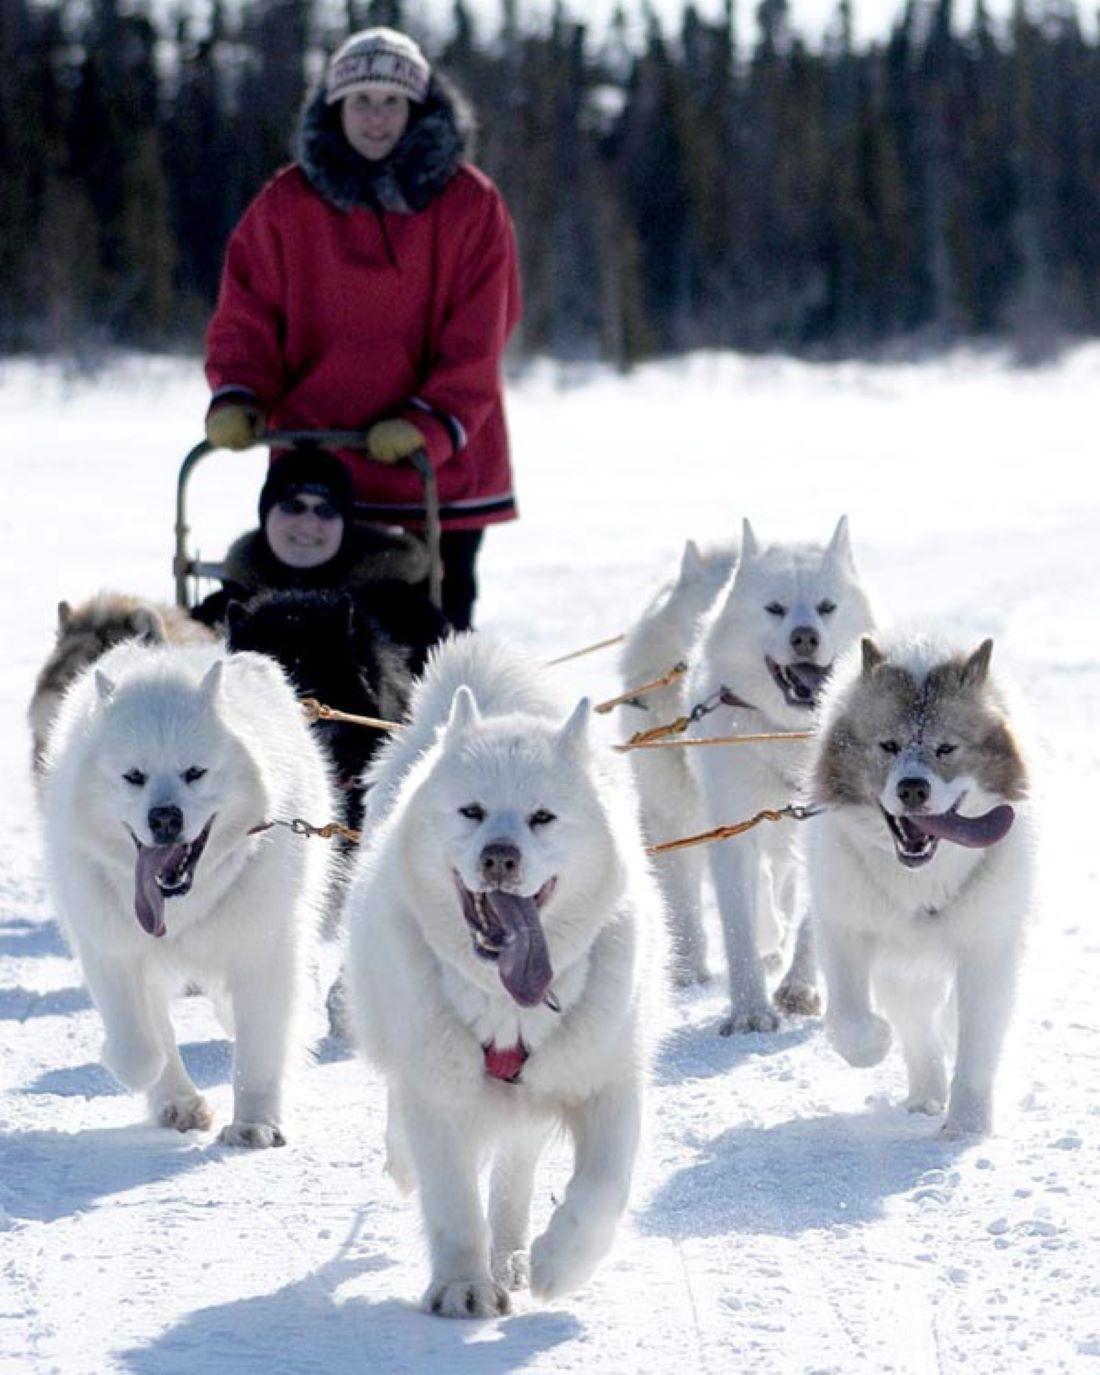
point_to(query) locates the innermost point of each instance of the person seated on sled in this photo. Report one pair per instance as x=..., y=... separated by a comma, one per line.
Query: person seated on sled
x=372, y=285
x=307, y=541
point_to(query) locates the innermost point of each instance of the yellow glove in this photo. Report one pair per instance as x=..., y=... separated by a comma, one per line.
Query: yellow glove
x=235, y=425
x=392, y=440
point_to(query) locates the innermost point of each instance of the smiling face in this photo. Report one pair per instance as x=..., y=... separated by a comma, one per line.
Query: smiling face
x=373, y=121
x=304, y=531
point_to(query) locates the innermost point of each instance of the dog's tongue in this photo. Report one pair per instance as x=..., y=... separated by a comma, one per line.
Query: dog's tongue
x=524, y=961
x=975, y=831
x=153, y=860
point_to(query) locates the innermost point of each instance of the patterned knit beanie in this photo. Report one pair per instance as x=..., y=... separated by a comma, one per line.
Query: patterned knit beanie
x=378, y=59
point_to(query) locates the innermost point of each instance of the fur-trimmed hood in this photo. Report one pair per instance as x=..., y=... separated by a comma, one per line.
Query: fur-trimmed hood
x=365, y=557
x=438, y=137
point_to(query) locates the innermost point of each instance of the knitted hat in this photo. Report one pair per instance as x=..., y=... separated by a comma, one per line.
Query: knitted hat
x=378, y=59
x=313, y=471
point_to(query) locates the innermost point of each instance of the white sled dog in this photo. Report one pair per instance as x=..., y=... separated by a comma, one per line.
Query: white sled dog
x=920, y=870
x=499, y=933
x=671, y=806
x=161, y=764
x=764, y=651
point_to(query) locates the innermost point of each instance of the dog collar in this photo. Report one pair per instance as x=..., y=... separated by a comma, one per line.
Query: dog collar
x=505, y=1064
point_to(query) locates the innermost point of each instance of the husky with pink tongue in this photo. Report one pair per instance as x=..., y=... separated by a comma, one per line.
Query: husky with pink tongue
x=920, y=869
x=163, y=763
x=500, y=932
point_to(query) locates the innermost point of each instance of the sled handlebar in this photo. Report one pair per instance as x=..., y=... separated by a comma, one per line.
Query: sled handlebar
x=183, y=566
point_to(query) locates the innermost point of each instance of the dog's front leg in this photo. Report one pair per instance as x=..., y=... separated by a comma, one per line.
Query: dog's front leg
x=445, y=1153
x=174, y=1101
x=734, y=867
x=265, y=1001
x=605, y=1132
x=986, y=986
x=510, y=1191
x=855, y=1031
x=132, y=1049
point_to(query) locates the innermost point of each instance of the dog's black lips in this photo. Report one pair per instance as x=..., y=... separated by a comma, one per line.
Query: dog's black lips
x=800, y=682
x=164, y=871
x=506, y=930
x=913, y=846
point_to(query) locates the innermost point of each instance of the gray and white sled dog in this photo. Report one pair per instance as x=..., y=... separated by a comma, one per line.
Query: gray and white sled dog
x=920, y=872
x=663, y=636
x=161, y=763
x=765, y=648
x=500, y=926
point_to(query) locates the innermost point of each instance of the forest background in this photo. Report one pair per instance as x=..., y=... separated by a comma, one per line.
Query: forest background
x=673, y=188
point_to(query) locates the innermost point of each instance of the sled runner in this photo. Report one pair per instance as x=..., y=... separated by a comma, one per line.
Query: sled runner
x=188, y=570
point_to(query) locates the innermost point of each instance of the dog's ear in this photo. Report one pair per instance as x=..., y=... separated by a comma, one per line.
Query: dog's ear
x=211, y=683
x=574, y=734
x=104, y=686
x=750, y=545
x=691, y=562
x=464, y=712
x=872, y=656
x=148, y=625
x=976, y=669
x=840, y=546
x=64, y=615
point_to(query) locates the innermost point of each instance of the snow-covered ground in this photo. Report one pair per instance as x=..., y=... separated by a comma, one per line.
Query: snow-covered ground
x=787, y=1216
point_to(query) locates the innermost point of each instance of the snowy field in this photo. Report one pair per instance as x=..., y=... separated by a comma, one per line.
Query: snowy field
x=787, y=1216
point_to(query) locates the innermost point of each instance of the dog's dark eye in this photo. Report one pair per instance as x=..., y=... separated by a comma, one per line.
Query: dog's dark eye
x=776, y=609
x=193, y=774
x=541, y=818
x=889, y=746
x=826, y=608
x=473, y=812
x=136, y=778
x=942, y=751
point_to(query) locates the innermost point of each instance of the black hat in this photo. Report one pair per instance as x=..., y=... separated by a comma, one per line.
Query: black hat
x=308, y=469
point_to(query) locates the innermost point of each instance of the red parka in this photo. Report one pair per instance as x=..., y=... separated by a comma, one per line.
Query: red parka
x=336, y=318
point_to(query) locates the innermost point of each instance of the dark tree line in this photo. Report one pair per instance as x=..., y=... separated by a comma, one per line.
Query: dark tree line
x=674, y=193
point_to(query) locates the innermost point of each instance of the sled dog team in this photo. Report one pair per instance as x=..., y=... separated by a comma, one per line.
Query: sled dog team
x=505, y=927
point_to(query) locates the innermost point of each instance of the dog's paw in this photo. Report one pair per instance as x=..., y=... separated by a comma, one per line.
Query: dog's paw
x=564, y=1257
x=467, y=1299
x=138, y=1066
x=256, y=1136
x=797, y=999
x=762, y=1018
x=919, y=1103
x=512, y=1269
x=190, y=1114
x=969, y=1119
x=862, y=1041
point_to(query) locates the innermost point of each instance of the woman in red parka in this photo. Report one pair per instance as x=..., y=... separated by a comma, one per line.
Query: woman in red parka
x=373, y=285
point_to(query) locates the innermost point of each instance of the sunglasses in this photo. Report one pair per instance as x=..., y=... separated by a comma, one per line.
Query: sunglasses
x=323, y=510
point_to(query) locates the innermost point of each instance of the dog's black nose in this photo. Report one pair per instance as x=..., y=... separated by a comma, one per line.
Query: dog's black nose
x=805, y=641
x=166, y=824
x=914, y=792
x=500, y=862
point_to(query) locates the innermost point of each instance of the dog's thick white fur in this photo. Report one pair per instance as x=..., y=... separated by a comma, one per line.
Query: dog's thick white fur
x=928, y=933
x=492, y=763
x=671, y=806
x=769, y=640
x=149, y=745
